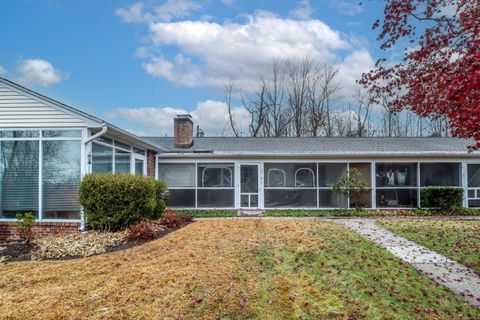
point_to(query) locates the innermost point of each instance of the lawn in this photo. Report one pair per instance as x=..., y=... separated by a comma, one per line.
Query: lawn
x=232, y=269
x=458, y=240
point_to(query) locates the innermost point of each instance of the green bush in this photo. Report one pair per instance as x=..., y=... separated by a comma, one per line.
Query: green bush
x=114, y=202
x=442, y=198
x=24, y=224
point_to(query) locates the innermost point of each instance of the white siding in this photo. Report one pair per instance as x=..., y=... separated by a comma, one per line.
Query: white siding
x=19, y=110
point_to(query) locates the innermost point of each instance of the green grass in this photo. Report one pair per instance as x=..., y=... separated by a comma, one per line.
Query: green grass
x=208, y=213
x=370, y=213
x=458, y=240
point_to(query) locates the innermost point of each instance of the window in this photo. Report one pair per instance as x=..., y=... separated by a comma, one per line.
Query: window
x=440, y=174
x=276, y=178
x=102, y=158
x=304, y=178
x=391, y=198
x=180, y=180
x=365, y=175
x=122, y=161
x=177, y=175
x=216, y=187
x=329, y=173
x=216, y=176
x=19, y=174
x=139, y=166
x=397, y=185
x=396, y=174
x=473, y=192
x=62, y=133
x=290, y=185
x=61, y=178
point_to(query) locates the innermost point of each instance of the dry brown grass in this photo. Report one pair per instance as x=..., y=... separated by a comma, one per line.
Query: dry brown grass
x=228, y=269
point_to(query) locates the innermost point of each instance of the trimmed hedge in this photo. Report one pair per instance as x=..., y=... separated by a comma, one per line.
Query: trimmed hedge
x=216, y=213
x=113, y=202
x=442, y=198
x=373, y=213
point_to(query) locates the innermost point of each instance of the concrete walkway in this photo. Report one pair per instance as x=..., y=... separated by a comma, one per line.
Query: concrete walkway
x=454, y=276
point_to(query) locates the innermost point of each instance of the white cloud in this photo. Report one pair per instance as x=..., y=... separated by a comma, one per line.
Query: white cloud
x=3, y=71
x=346, y=7
x=211, y=116
x=38, y=72
x=304, y=10
x=168, y=11
x=212, y=53
x=351, y=68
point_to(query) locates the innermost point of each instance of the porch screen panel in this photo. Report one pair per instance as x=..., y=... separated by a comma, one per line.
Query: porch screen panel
x=473, y=192
x=180, y=180
x=440, y=174
x=19, y=174
x=397, y=185
x=329, y=173
x=102, y=158
x=290, y=185
x=215, y=182
x=61, y=179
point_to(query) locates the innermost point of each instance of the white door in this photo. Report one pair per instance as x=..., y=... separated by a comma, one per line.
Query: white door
x=249, y=195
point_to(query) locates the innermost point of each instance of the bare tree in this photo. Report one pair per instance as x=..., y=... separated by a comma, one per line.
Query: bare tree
x=228, y=91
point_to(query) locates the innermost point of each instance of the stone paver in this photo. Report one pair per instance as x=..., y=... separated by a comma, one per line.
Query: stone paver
x=451, y=274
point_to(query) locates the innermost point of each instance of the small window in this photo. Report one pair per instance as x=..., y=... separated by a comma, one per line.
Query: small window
x=19, y=134
x=122, y=145
x=304, y=178
x=139, y=151
x=216, y=176
x=276, y=178
x=62, y=133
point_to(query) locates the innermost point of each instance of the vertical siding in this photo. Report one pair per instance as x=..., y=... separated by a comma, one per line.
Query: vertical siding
x=18, y=110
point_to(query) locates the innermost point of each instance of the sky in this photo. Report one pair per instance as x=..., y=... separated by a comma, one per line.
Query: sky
x=139, y=63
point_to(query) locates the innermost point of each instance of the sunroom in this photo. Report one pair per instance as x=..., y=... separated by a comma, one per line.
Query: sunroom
x=306, y=184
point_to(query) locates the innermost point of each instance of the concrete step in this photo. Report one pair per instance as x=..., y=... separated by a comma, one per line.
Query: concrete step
x=249, y=213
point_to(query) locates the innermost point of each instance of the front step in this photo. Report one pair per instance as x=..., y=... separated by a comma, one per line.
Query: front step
x=250, y=213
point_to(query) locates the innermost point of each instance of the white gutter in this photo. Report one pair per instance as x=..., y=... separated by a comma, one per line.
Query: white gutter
x=85, y=141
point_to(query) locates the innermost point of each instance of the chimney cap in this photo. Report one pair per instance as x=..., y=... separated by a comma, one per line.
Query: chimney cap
x=184, y=115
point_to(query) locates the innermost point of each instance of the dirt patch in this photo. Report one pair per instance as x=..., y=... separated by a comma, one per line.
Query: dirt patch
x=73, y=246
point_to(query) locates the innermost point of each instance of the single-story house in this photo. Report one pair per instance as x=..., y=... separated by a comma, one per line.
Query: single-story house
x=47, y=146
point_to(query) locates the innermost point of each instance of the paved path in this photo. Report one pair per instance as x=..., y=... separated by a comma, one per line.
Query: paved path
x=456, y=277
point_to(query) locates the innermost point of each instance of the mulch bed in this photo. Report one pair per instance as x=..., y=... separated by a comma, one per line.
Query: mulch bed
x=12, y=251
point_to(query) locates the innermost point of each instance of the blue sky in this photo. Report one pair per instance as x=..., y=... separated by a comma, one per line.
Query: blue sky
x=138, y=63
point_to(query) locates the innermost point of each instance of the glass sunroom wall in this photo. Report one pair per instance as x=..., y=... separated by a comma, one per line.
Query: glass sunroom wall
x=19, y=175
x=215, y=185
x=329, y=173
x=396, y=185
x=365, y=176
x=290, y=185
x=61, y=179
x=180, y=180
x=40, y=162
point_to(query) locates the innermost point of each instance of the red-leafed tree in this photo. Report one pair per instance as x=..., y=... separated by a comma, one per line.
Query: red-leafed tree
x=440, y=71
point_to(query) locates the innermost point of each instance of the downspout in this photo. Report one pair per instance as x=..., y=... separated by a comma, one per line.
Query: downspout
x=102, y=132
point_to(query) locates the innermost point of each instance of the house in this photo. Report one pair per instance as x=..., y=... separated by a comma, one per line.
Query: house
x=46, y=147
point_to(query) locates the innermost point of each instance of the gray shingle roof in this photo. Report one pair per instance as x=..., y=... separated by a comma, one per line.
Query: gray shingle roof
x=320, y=146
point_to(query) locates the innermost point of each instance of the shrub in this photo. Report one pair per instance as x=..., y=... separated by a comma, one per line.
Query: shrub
x=24, y=224
x=140, y=232
x=114, y=202
x=442, y=198
x=350, y=184
x=172, y=220
x=161, y=199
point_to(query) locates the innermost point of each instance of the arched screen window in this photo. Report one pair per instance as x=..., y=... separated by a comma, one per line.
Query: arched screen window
x=220, y=177
x=276, y=178
x=304, y=178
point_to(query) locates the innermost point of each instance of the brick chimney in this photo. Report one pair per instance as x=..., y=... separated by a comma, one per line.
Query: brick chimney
x=183, y=131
